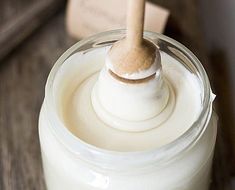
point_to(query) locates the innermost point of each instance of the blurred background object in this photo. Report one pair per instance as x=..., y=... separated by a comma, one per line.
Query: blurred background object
x=18, y=19
x=218, y=21
x=33, y=36
x=86, y=18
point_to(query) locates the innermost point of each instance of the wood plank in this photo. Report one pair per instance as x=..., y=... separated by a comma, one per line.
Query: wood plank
x=20, y=18
x=22, y=79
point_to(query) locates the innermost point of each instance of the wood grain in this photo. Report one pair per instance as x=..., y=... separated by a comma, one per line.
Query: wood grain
x=18, y=19
x=22, y=80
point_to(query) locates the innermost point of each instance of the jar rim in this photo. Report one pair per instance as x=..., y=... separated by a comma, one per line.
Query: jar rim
x=107, y=158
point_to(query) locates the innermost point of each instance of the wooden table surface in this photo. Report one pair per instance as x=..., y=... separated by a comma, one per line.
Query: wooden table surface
x=22, y=78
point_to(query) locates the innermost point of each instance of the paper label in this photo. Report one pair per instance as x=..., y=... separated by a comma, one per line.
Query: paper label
x=88, y=17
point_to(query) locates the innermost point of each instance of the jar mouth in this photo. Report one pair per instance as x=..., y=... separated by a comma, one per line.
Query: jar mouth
x=107, y=158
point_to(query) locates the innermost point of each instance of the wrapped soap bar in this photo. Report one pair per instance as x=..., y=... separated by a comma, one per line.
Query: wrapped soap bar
x=87, y=17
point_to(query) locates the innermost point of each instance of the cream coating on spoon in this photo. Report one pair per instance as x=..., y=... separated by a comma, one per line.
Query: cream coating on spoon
x=130, y=86
x=130, y=101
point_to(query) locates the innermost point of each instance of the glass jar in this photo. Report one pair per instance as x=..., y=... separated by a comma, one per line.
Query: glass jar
x=70, y=163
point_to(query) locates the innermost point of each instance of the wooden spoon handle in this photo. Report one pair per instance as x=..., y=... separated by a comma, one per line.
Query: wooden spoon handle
x=135, y=22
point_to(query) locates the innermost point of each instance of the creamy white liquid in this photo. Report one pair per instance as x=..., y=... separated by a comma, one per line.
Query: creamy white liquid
x=133, y=107
x=66, y=168
x=81, y=119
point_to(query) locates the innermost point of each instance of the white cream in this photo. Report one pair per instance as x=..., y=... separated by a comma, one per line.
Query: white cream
x=66, y=168
x=133, y=102
x=175, y=119
x=130, y=102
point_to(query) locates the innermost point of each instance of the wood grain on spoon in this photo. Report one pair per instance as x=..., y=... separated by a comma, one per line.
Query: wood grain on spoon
x=133, y=53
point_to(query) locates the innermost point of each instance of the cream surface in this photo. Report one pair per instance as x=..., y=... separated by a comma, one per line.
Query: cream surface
x=69, y=164
x=129, y=106
x=82, y=120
